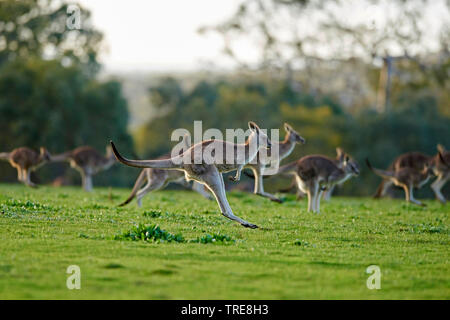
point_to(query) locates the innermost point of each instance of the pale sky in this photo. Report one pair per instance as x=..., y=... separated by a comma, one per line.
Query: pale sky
x=159, y=35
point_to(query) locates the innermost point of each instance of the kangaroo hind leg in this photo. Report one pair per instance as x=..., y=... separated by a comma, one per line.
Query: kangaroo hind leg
x=152, y=185
x=214, y=181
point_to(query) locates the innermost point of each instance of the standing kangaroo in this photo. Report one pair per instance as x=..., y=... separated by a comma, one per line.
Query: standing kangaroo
x=88, y=162
x=406, y=178
x=339, y=161
x=159, y=178
x=26, y=160
x=206, y=170
x=316, y=173
x=417, y=161
x=285, y=148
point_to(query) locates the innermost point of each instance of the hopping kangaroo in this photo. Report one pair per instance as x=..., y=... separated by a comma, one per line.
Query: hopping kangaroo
x=285, y=148
x=406, y=178
x=26, y=160
x=159, y=178
x=417, y=161
x=88, y=162
x=316, y=173
x=207, y=170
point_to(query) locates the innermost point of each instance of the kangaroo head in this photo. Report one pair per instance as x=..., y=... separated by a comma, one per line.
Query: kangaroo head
x=45, y=155
x=293, y=135
x=262, y=139
x=350, y=165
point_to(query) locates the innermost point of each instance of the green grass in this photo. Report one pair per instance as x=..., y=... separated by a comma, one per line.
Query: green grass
x=294, y=255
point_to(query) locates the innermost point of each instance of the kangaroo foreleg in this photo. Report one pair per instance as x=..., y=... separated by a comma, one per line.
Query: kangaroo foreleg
x=237, y=177
x=327, y=194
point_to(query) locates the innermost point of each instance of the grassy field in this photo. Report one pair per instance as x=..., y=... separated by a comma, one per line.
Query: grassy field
x=294, y=255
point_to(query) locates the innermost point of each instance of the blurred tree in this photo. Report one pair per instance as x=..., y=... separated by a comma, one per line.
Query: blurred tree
x=304, y=34
x=49, y=94
x=44, y=103
x=39, y=28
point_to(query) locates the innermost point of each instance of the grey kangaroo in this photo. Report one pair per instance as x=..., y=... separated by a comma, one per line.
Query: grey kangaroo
x=207, y=171
x=88, y=162
x=285, y=148
x=26, y=160
x=316, y=173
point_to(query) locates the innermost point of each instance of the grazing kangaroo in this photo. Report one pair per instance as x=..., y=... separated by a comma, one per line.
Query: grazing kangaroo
x=406, y=178
x=316, y=173
x=207, y=171
x=285, y=148
x=88, y=162
x=159, y=178
x=26, y=160
x=417, y=161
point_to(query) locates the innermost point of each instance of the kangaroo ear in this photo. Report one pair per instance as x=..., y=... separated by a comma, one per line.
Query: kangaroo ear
x=187, y=140
x=340, y=153
x=441, y=148
x=442, y=159
x=287, y=127
x=253, y=126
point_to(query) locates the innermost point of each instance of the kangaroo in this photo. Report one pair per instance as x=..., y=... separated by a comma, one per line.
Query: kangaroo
x=26, y=160
x=285, y=148
x=206, y=170
x=417, y=161
x=442, y=171
x=88, y=162
x=159, y=178
x=316, y=173
x=406, y=178
x=339, y=161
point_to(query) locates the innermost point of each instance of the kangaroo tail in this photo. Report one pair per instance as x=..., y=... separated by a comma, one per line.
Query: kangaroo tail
x=382, y=173
x=61, y=157
x=4, y=156
x=139, y=181
x=159, y=164
x=379, y=193
x=291, y=186
x=287, y=168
